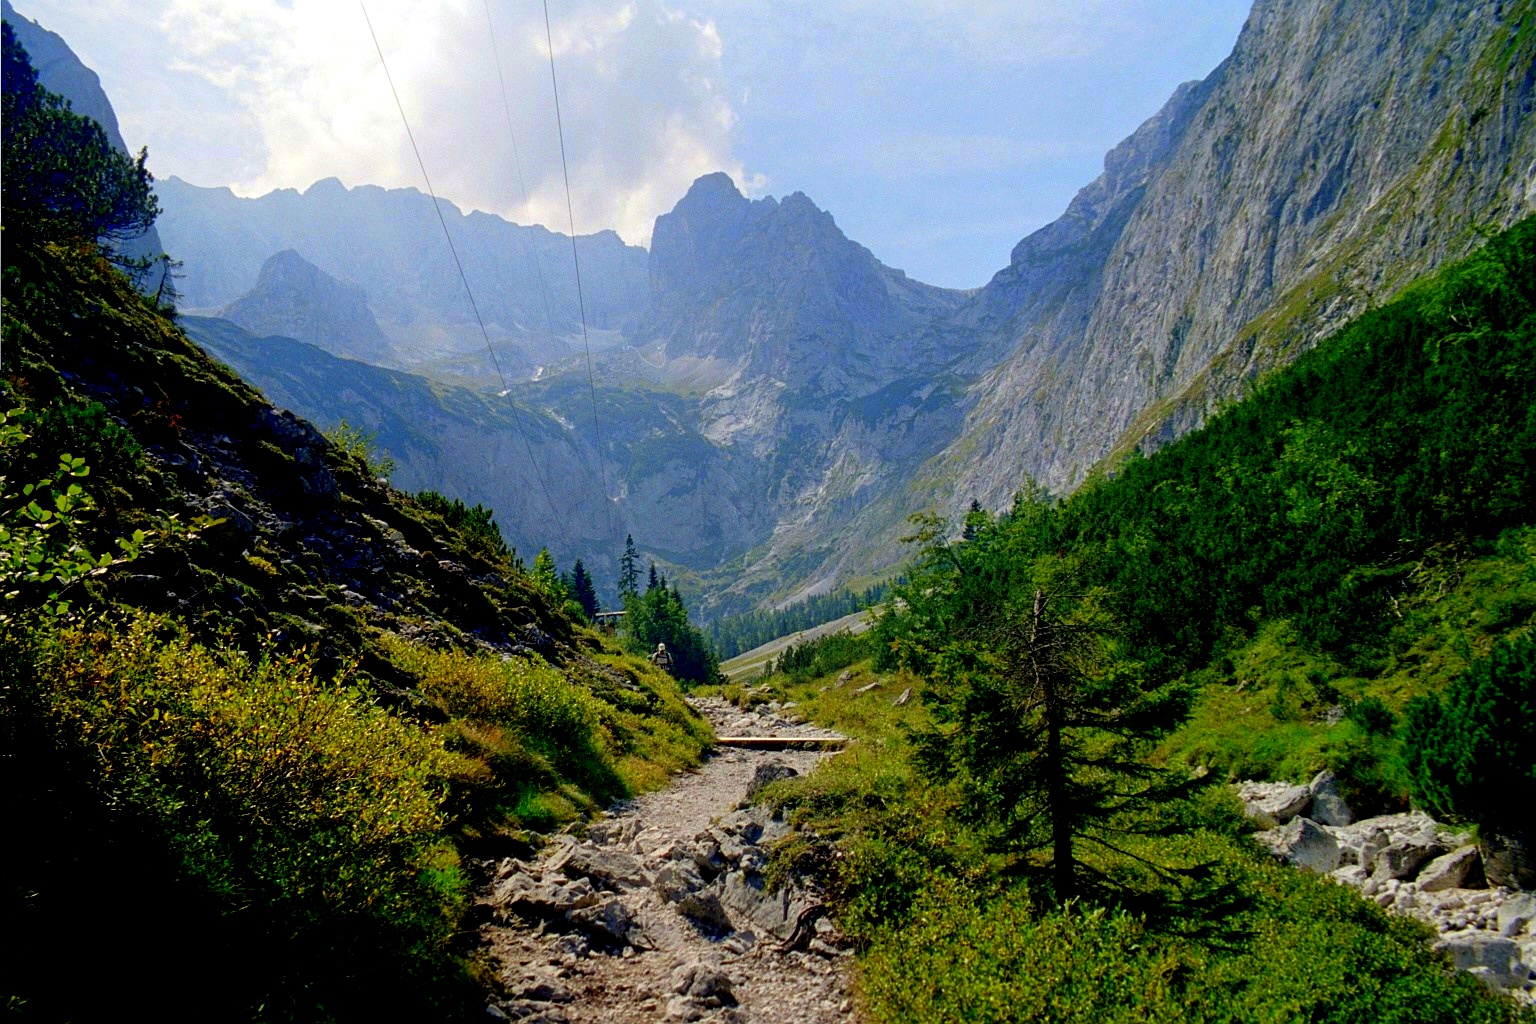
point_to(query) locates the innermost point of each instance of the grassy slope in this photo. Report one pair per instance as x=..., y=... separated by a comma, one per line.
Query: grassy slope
x=405, y=652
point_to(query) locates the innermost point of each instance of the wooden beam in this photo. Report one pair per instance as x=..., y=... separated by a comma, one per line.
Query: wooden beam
x=782, y=742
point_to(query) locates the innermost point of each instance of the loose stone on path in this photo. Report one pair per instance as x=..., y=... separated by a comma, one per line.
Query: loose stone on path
x=660, y=911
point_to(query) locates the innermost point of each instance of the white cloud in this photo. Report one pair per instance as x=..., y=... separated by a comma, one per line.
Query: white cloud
x=641, y=89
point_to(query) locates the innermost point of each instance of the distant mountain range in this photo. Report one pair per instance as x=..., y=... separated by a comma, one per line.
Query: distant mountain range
x=772, y=401
x=389, y=243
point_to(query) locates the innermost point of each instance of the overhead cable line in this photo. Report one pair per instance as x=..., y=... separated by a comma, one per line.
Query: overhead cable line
x=522, y=184
x=474, y=306
x=570, y=211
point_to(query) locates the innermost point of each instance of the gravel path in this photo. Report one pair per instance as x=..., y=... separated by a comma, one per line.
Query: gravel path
x=660, y=914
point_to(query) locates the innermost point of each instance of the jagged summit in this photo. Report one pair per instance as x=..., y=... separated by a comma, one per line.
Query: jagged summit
x=772, y=285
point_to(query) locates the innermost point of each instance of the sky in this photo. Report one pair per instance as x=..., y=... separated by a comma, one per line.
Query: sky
x=937, y=132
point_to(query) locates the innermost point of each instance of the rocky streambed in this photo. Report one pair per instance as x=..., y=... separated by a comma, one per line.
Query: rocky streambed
x=1410, y=864
x=660, y=910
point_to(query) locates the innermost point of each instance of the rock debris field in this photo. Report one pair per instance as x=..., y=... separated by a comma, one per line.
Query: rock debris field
x=1408, y=864
x=660, y=911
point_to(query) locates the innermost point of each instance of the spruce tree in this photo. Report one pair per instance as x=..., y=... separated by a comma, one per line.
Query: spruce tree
x=583, y=590
x=1039, y=716
x=629, y=573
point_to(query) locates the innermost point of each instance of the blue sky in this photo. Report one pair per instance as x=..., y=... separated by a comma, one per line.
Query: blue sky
x=937, y=132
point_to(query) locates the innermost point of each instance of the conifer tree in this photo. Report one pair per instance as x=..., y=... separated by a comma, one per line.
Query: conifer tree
x=629, y=573
x=583, y=590
x=1040, y=716
x=62, y=178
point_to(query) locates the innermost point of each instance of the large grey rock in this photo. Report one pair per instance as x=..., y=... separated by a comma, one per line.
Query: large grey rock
x=1271, y=804
x=1516, y=914
x=610, y=920
x=745, y=895
x=676, y=880
x=743, y=822
x=1403, y=859
x=1492, y=959
x=603, y=865
x=1328, y=806
x=1459, y=869
x=1302, y=844
x=767, y=774
x=1508, y=861
x=703, y=981
x=705, y=909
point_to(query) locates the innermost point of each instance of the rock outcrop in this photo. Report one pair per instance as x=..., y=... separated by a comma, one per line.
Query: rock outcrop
x=1409, y=864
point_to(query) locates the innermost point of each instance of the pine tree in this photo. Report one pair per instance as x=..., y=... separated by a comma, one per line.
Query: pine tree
x=650, y=584
x=62, y=178
x=629, y=574
x=583, y=590
x=1040, y=716
x=544, y=574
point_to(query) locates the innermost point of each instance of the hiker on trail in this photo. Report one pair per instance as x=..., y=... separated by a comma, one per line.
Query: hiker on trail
x=661, y=659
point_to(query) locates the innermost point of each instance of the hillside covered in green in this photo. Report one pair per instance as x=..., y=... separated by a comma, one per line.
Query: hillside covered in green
x=263, y=718
x=1337, y=572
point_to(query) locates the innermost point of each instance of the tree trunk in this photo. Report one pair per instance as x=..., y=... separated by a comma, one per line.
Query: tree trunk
x=1055, y=767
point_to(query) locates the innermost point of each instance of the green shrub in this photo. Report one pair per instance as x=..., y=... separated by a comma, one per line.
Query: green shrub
x=357, y=443
x=309, y=814
x=1472, y=755
x=1293, y=948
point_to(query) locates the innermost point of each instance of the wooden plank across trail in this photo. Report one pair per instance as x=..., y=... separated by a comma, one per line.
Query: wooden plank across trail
x=782, y=742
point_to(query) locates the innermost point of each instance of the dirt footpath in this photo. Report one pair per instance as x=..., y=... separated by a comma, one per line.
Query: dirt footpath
x=660, y=912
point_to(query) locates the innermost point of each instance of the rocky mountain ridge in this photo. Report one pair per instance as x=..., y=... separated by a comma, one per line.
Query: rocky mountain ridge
x=1338, y=154
x=389, y=242
x=1335, y=156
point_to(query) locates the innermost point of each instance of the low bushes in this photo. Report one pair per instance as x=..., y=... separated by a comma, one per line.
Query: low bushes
x=308, y=819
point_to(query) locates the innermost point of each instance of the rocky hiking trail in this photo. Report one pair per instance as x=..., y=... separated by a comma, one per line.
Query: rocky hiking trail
x=660, y=911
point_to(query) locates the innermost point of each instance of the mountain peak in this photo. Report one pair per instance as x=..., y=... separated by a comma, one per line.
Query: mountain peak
x=714, y=183
x=294, y=298
x=326, y=186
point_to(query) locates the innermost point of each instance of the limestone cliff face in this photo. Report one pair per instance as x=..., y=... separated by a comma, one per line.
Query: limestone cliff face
x=774, y=287
x=1341, y=151
x=296, y=299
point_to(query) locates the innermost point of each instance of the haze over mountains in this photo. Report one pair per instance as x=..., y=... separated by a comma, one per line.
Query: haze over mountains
x=772, y=401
